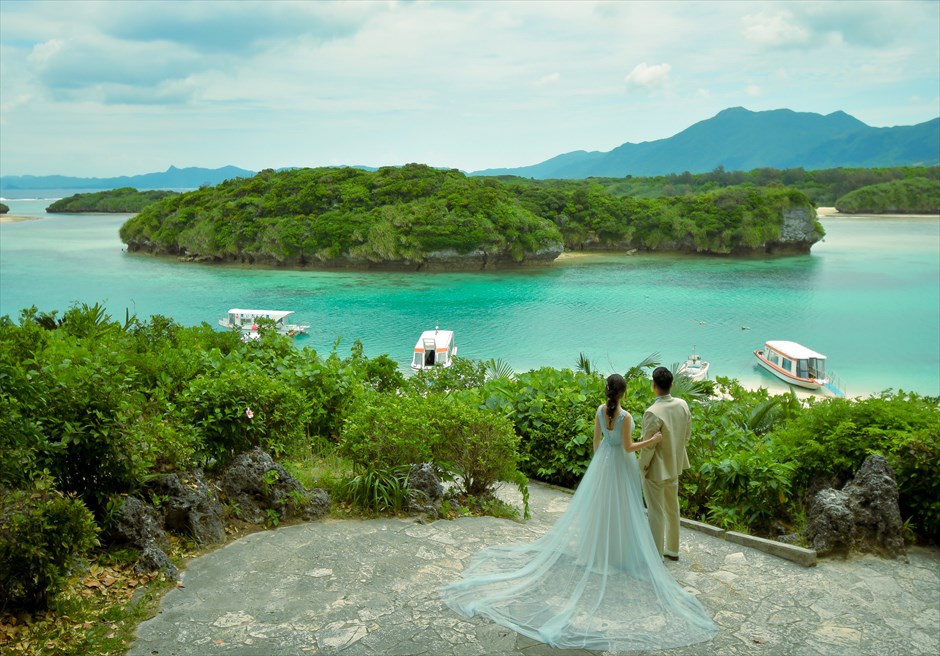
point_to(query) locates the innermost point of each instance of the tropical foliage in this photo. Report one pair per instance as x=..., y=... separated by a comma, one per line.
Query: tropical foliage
x=914, y=196
x=824, y=187
x=91, y=407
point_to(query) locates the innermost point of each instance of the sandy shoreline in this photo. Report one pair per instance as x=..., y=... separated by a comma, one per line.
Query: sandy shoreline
x=14, y=218
x=831, y=212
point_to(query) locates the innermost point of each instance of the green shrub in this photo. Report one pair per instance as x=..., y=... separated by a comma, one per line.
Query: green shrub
x=739, y=478
x=43, y=534
x=385, y=431
x=237, y=407
x=553, y=413
x=916, y=464
x=463, y=374
x=20, y=437
x=476, y=444
x=83, y=400
x=747, y=486
x=831, y=438
x=332, y=386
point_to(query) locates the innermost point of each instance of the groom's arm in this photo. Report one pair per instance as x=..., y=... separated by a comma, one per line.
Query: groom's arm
x=651, y=425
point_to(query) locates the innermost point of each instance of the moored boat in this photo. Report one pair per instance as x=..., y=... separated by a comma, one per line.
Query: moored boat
x=435, y=348
x=794, y=364
x=247, y=322
x=694, y=368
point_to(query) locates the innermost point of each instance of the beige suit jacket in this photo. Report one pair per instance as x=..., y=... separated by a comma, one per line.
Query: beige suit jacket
x=668, y=458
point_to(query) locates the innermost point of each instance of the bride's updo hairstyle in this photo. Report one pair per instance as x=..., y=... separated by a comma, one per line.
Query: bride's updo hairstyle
x=614, y=389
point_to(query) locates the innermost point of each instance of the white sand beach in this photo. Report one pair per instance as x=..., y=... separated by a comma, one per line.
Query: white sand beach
x=830, y=212
x=14, y=218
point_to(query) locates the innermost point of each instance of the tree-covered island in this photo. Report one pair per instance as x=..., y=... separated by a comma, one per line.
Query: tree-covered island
x=118, y=201
x=419, y=218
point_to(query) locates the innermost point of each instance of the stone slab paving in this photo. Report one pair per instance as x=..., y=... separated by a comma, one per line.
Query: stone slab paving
x=369, y=587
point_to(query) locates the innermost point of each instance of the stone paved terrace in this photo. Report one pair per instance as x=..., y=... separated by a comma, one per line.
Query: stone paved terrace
x=369, y=587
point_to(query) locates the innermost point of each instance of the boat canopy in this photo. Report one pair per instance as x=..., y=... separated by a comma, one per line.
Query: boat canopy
x=274, y=315
x=794, y=351
x=437, y=340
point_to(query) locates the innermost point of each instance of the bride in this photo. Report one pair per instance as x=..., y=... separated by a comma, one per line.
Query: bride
x=595, y=580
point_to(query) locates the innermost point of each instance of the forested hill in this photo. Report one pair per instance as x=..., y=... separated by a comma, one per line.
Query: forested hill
x=737, y=139
x=416, y=217
x=125, y=199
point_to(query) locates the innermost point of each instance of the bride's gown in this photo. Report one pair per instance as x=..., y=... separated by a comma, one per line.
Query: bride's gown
x=595, y=580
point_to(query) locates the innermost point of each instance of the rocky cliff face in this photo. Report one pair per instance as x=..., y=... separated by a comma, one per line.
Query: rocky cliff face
x=798, y=233
x=446, y=260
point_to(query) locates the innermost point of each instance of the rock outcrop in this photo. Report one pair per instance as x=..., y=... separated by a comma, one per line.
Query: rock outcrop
x=139, y=524
x=798, y=232
x=256, y=486
x=189, y=506
x=425, y=491
x=863, y=516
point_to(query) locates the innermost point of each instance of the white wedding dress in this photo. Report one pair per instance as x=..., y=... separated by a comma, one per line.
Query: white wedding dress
x=595, y=580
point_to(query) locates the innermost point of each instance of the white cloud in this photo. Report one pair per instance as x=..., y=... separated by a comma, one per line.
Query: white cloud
x=466, y=84
x=104, y=69
x=753, y=90
x=775, y=29
x=644, y=76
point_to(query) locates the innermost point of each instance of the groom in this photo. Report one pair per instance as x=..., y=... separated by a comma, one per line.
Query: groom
x=662, y=463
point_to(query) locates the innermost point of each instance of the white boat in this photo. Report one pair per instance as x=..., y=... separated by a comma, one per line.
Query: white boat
x=435, y=348
x=694, y=368
x=246, y=321
x=794, y=364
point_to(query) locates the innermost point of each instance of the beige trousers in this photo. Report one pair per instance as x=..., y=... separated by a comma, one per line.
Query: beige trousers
x=662, y=508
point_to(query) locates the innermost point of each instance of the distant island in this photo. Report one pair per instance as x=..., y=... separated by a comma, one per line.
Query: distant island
x=909, y=196
x=123, y=200
x=419, y=218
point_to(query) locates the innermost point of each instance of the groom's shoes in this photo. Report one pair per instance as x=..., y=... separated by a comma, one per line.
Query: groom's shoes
x=672, y=558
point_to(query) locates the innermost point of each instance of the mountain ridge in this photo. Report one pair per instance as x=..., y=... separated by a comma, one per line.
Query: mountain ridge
x=736, y=139
x=173, y=178
x=740, y=139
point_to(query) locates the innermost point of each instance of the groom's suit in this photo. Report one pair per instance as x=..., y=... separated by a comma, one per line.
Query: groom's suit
x=661, y=465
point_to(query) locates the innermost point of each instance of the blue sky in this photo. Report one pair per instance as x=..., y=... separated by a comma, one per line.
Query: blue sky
x=122, y=88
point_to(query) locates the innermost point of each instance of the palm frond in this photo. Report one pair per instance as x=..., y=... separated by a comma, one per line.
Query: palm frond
x=638, y=370
x=686, y=388
x=498, y=368
x=763, y=417
x=584, y=364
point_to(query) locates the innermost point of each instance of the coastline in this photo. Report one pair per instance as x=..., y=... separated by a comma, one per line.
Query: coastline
x=16, y=218
x=833, y=213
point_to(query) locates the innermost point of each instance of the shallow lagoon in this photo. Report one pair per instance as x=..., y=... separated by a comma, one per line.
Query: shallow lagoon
x=868, y=297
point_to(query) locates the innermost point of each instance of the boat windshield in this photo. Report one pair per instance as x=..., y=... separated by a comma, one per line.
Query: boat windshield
x=802, y=368
x=817, y=368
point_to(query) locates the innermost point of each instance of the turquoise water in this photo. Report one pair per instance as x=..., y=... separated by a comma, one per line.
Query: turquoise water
x=868, y=297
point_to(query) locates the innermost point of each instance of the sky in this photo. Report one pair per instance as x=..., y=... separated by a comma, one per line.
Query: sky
x=102, y=89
